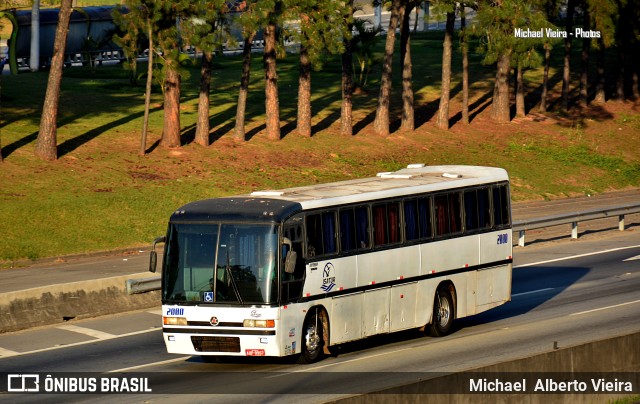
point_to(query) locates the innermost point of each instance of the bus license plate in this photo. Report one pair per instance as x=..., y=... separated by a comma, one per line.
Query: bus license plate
x=254, y=352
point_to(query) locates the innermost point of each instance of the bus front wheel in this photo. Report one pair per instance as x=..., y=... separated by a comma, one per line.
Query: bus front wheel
x=311, y=339
x=443, y=313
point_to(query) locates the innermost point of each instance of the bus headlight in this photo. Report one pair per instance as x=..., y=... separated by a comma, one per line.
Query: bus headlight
x=174, y=320
x=259, y=323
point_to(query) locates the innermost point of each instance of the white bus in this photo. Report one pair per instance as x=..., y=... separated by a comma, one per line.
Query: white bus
x=299, y=270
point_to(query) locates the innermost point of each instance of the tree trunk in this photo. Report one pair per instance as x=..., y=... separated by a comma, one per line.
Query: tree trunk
x=520, y=109
x=381, y=123
x=447, y=49
x=566, y=72
x=34, y=56
x=46, y=143
x=202, y=127
x=624, y=34
x=147, y=93
x=600, y=96
x=272, y=105
x=545, y=80
x=464, y=48
x=239, y=133
x=621, y=72
x=584, y=68
x=1, y=159
x=500, y=104
x=346, y=109
x=634, y=85
x=304, y=94
x=408, y=118
x=171, y=132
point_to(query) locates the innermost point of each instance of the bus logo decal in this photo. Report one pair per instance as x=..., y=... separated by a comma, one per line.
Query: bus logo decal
x=329, y=280
x=214, y=321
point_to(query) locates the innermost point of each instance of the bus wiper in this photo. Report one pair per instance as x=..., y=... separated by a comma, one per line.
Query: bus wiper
x=233, y=281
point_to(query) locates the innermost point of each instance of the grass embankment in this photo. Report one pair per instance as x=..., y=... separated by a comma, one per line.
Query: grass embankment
x=100, y=195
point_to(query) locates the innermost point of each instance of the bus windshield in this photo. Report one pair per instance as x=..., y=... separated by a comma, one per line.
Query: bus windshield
x=221, y=263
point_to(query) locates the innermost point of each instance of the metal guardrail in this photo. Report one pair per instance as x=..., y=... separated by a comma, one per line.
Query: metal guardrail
x=142, y=285
x=521, y=226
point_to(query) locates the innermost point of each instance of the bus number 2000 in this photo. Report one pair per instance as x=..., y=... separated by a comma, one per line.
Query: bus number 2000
x=503, y=238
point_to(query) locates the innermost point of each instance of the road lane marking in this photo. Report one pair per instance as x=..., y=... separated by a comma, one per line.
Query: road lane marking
x=182, y=358
x=341, y=363
x=577, y=256
x=530, y=292
x=155, y=311
x=87, y=331
x=7, y=352
x=637, y=257
x=605, y=308
x=53, y=348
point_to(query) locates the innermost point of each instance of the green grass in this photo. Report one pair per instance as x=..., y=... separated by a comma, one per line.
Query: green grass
x=627, y=400
x=101, y=196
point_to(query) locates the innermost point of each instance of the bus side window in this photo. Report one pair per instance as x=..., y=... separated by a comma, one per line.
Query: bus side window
x=380, y=230
x=386, y=223
x=441, y=215
x=484, y=209
x=329, y=232
x=314, y=236
x=500, y=205
x=424, y=214
x=448, y=213
x=347, y=230
x=471, y=210
x=393, y=217
x=455, y=212
x=411, y=223
x=321, y=234
x=362, y=227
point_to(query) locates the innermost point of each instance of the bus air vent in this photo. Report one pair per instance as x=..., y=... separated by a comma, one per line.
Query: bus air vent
x=392, y=175
x=267, y=193
x=215, y=344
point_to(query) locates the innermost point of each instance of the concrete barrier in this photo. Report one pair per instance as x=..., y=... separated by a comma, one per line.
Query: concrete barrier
x=610, y=358
x=59, y=303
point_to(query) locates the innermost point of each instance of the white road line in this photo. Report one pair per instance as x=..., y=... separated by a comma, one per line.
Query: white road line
x=87, y=331
x=53, y=348
x=637, y=257
x=155, y=311
x=577, y=256
x=7, y=352
x=533, y=291
x=340, y=363
x=182, y=358
x=605, y=308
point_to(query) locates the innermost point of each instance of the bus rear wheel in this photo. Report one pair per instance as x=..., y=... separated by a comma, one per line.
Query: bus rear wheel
x=311, y=339
x=443, y=313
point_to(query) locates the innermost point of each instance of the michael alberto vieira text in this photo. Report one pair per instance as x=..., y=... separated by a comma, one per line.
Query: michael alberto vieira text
x=551, y=386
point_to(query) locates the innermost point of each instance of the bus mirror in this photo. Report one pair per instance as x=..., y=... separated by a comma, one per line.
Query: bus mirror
x=290, y=262
x=290, y=256
x=153, y=259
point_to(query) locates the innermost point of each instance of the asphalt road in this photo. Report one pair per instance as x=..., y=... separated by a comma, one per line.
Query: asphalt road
x=564, y=293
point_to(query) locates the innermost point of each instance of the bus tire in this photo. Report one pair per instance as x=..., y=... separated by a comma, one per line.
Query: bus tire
x=443, y=313
x=312, y=341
